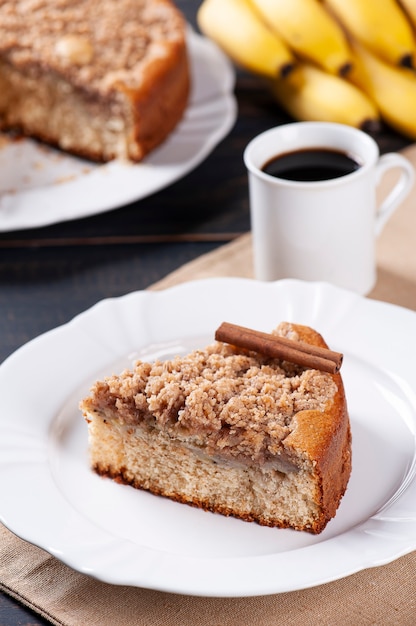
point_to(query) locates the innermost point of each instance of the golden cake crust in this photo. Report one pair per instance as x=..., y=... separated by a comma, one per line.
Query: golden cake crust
x=326, y=437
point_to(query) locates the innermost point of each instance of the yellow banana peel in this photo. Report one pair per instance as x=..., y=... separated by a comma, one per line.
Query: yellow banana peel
x=237, y=28
x=380, y=25
x=311, y=94
x=409, y=7
x=309, y=31
x=392, y=88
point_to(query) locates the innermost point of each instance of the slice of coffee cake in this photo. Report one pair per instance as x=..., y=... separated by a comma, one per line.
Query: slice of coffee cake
x=229, y=430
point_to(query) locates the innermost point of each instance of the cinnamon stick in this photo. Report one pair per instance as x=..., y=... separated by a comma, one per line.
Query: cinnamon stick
x=299, y=352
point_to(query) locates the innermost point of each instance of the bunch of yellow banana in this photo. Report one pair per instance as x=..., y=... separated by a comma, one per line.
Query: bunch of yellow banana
x=347, y=61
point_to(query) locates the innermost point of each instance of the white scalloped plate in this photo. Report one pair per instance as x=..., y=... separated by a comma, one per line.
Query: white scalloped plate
x=50, y=497
x=41, y=186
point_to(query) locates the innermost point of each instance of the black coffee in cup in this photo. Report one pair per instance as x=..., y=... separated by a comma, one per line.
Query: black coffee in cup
x=311, y=164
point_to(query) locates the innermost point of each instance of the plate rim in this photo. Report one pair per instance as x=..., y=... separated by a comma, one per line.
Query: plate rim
x=146, y=298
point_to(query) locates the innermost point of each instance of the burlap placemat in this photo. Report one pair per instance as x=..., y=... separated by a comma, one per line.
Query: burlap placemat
x=381, y=596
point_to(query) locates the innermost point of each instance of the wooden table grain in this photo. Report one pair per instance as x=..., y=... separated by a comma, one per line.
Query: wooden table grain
x=50, y=274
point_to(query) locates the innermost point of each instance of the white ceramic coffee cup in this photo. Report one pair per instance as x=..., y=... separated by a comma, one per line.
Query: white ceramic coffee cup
x=324, y=230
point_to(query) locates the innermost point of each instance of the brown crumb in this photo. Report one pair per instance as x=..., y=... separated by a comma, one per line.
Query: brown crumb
x=93, y=42
x=238, y=404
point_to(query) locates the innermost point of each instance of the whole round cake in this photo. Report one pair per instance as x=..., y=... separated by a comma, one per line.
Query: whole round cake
x=97, y=78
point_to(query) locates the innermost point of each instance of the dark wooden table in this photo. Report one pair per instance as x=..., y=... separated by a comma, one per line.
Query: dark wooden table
x=50, y=274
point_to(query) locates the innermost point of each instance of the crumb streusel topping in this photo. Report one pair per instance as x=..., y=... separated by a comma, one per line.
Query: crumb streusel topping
x=235, y=404
x=94, y=42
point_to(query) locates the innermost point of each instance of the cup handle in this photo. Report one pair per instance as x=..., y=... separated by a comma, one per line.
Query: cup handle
x=399, y=191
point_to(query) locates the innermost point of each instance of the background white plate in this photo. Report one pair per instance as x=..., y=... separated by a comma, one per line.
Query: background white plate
x=41, y=186
x=49, y=496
